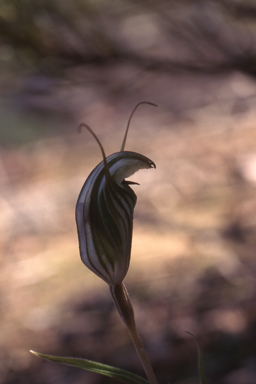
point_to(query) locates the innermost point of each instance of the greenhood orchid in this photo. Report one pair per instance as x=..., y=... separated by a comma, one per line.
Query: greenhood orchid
x=104, y=212
x=104, y=217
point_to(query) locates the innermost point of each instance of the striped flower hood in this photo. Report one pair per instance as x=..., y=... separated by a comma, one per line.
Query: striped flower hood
x=104, y=215
x=104, y=212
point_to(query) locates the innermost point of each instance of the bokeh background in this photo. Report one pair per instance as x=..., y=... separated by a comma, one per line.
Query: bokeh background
x=193, y=260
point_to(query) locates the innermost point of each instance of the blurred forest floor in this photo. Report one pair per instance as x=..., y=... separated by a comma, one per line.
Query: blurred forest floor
x=193, y=259
x=193, y=262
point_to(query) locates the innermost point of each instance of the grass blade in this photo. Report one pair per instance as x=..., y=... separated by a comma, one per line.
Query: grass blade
x=200, y=359
x=93, y=366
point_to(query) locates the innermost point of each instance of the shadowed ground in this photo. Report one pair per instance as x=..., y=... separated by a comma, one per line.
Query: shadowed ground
x=193, y=257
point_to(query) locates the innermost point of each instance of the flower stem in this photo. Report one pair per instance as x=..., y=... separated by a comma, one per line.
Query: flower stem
x=124, y=307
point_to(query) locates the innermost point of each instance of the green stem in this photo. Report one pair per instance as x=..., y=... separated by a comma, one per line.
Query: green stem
x=124, y=307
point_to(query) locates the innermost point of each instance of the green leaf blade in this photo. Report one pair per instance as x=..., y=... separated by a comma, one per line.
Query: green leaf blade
x=200, y=359
x=93, y=366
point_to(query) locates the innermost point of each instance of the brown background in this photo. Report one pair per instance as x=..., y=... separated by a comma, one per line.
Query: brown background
x=193, y=256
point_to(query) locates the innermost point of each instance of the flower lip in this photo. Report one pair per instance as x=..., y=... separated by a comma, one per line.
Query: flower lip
x=127, y=164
